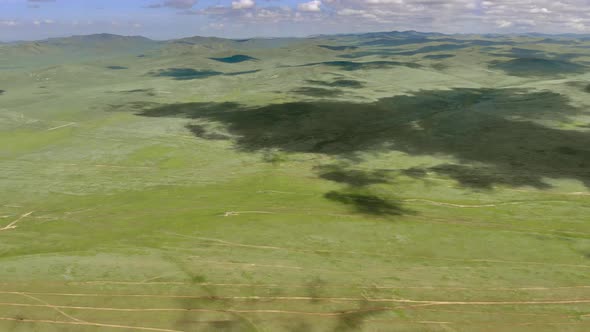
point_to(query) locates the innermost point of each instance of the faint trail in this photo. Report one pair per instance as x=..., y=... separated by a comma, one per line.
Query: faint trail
x=230, y=311
x=416, y=303
x=275, y=192
x=509, y=289
x=447, y=204
x=249, y=264
x=62, y=126
x=478, y=205
x=24, y=320
x=576, y=193
x=51, y=306
x=475, y=260
x=237, y=213
x=12, y=225
x=496, y=313
x=147, y=282
x=500, y=227
x=116, y=166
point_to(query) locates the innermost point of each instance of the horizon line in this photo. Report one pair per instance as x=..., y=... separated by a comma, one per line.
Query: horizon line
x=530, y=33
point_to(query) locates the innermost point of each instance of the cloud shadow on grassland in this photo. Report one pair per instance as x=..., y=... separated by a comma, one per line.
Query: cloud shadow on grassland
x=489, y=131
x=537, y=67
x=353, y=65
x=183, y=74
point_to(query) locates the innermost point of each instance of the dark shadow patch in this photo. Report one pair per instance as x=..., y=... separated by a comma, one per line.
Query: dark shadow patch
x=149, y=92
x=351, y=65
x=136, y=106
x=415, y=172
x=525, y=53
x=451, y=45
x=353, y=320
x=490, y=49
x=237, y=73
x=438, y=56
x=338, y=83
x=338, y=48
x=185, y=73
x=141, y=56
x=193, y=74
x=489, y=43
x=406, y=41
x=435, y=48
x=137, y=90
x=352, y=177
x=317, y=92
x=315, y=290
x=2, y=92
x=117, y=67
x=491, y=127
x=480, y=177
x=537, y=67
x=379, y=53
x=364, y=202
x=557, y=41
x=234, y=58
x=517, y=52
x=439, y=66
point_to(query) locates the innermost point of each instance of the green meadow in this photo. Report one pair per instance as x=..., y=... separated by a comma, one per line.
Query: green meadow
x=395, y=181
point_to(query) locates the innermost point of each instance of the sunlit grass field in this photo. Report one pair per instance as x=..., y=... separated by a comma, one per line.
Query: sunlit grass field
x=296, y=187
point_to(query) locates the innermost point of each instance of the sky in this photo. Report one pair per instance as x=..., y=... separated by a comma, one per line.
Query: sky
x=167, y=19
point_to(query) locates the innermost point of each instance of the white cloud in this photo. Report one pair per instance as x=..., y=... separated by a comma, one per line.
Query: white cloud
x=380, y=2
x=179, y=4
x=9, y=23
x=45, y=21
x=312, y=6
x=216, y=25
x=503, y=24
x=243, y=4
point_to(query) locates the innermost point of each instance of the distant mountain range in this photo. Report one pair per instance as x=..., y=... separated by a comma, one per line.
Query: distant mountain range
x=106, y=37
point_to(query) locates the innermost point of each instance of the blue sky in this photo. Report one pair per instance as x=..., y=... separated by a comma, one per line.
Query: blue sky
x=163, y=19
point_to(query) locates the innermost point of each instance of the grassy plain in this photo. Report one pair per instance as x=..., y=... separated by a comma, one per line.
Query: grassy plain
x=380, y=182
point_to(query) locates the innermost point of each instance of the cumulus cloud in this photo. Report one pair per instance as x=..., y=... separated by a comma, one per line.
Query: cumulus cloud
x=179, y=4
x=547, y=15
x=312, y=6
x=243, y=4
x=448, y=16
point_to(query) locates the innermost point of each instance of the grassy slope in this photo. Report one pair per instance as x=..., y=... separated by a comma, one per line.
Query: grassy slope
x=249, y=239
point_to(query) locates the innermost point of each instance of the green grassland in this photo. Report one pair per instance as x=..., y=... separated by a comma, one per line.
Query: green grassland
x=377, y=182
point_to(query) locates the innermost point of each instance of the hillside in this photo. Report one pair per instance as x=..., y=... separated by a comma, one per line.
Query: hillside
x=383, y=181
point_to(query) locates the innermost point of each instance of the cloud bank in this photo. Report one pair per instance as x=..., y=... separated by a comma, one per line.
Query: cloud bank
x=241, y=18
